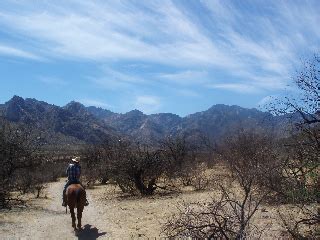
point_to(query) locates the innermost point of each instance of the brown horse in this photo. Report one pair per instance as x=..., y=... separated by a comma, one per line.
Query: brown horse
x=76, y=198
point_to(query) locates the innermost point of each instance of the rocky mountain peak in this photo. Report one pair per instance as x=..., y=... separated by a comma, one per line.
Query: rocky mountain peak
x=15, y=100
x=14, y=108
x=135, y=112
x=100, y=112
x=76, y=108
x=75, y=122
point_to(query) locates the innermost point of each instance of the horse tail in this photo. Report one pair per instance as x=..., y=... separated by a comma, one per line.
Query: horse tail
x=78, y=196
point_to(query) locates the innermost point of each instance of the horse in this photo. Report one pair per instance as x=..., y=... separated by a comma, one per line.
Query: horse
x=76, y=198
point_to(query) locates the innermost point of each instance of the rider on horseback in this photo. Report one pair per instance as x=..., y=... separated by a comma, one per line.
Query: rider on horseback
x=73, y=172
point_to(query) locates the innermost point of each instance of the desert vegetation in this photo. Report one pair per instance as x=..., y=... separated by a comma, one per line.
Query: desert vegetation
x=25, y=167
x=261, y=170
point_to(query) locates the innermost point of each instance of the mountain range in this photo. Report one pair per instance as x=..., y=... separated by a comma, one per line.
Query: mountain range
x=76, y=124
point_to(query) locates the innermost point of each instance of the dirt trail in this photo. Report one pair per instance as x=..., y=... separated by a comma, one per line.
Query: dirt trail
x=46, y=219
x=110, y=215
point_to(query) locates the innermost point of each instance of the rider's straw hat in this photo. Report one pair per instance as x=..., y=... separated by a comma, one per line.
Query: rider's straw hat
x=76, y=159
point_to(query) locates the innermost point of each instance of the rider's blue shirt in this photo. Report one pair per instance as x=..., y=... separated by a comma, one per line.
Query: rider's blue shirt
x=73, y=172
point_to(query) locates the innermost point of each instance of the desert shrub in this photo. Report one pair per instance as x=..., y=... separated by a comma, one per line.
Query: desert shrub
x=197, y=177
x=44, y=170
x=181, y=158
x=201, y=180
x=249, y=157
x=133, y=167
x=219, y=219
x=299, y=181
x=296, y=179
x=95, y=164
x=17, y=156
x=137, y=166
x=25, y=166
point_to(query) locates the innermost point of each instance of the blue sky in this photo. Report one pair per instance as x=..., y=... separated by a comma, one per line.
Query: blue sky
x=155, y=56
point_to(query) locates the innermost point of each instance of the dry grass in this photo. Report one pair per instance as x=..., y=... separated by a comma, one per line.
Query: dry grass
x=113, y=214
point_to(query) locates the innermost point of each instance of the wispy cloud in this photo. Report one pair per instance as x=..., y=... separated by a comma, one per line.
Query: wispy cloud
x=113, y=79
x=263, y=103
x=187, y=77
x=94, y=102
x=265, y=40
x=147, y=104
x=15, y=52
x=155, y=32
x=187, y=93
x=235, y=87
x=256, y=45
x=53, y=81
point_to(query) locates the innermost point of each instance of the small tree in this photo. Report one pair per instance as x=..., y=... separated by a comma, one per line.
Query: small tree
x=96, y=164
x=17, y=155
x=249, y=156
x=131, y=165
x=181, y=158
x=302, y=176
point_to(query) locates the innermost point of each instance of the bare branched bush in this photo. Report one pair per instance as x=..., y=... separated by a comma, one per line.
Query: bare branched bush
x=296, y=178
x=132, y=166
x=302, y=222
x=200, y=178
x=300, y=182
x=17, y=156
x=95, y=164
x=249, y=156
x=182, y=159
x=219, y=219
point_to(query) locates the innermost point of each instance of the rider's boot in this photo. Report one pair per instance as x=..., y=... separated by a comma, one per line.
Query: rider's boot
x=64, y=202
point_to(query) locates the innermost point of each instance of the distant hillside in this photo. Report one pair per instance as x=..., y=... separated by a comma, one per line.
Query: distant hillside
x=214, y=123
x=71, y=124
x=141, y=127
x=77, y=124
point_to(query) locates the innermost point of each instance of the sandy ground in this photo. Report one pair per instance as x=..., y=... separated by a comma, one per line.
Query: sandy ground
x=110, y=215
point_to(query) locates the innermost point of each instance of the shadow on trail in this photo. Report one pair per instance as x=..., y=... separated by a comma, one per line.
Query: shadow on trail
x=89, y=233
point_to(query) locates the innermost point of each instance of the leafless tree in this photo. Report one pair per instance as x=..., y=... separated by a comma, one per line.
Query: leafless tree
x=17, y=156
x=302, y=166
x=134, y=167
x=249, y=156
x=182, y=158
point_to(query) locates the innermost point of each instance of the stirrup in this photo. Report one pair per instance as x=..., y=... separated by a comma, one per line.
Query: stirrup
x=87, y=203
x=64, y=204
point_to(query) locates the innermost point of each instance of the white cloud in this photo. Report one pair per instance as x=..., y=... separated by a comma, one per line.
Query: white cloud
x=257, y=49
x=53, y=81
x=235, y=87
x=188, y=93
x=15, y=52
x=116, y=31
x=186, y=77
x=268, y=42
x=147, y=104
x=122, y=77
x=96, y=103
x=113, y=79
x=266, y=100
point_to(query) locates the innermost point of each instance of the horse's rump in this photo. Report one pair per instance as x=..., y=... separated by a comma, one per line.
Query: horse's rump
x=76, y=198
x=76, y=195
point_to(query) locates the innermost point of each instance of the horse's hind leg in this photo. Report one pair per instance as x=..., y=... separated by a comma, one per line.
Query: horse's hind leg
x=73, y=217
x=79, y=215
